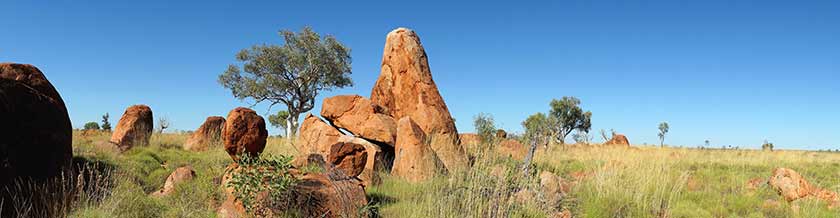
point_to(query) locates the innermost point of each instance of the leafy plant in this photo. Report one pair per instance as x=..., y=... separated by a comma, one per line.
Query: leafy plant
x=256, y=175
x=91, y=126
x=106, y=125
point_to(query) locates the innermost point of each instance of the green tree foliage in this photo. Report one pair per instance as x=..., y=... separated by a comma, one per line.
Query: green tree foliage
x=485, y=127
x=91, y=126
x=537, y=129
x=291, y=74
x=567, y=116
x=663, y=129
x=279, y=120
x=106, y=125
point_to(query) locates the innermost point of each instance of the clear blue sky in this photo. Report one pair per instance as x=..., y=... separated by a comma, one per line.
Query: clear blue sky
x=733, y=72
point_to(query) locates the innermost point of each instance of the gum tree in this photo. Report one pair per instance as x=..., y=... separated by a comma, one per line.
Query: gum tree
x=567, y=116
x=291, y=74
x=663, y=129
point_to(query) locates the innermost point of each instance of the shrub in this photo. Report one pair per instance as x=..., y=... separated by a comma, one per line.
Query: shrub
x=255, y=175
x=91, y=126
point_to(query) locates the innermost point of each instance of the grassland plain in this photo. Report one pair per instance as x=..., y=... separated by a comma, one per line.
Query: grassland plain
x=608, y=182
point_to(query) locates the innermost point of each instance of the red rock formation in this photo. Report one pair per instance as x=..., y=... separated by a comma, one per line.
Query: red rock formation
x=37, y=134
x=361, y=117
x=414, y=159
x=406, y=89
x=244, y=132
x=134, y=128
x=209, y=133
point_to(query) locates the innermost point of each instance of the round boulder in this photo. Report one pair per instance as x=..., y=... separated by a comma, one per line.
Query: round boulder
x=244, y=133
x=37, y=134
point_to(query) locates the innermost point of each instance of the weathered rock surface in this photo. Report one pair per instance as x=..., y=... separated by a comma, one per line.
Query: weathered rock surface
x=406, y=89
x=134, y=128
x=244, y=133
x=329, y=194
x=790, y=184
x=618, y=139
x=361, y=117
x=414, y=160
x=512, y=148
x=350, y=158
x=316, y=136
x=37, y=134
x=377, y=160
x=501, y=134
x=180, y=175
x=309, y=160
x=208, y=134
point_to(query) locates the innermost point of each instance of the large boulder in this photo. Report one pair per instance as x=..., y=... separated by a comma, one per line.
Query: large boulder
x=348, y=157
x=361, y=117
x=180, y=175
x=618, y=139
x=329, y=194
x=244, y=133
x=406, y=89
x=377, y=160
x=134, y=128
x=316, y=136
x=790, y=184
x=37, y=134
x=209, y=133
x=414, y=159
x=512, y=148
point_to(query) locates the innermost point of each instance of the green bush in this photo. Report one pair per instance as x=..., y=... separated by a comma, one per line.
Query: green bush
x=255, y=175
x=91, y=126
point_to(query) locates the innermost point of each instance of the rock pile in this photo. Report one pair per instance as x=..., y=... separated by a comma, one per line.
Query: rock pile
x=336, y=192
x=405, y=126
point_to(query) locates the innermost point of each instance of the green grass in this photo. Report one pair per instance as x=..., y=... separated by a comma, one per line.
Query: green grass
x=618, y=182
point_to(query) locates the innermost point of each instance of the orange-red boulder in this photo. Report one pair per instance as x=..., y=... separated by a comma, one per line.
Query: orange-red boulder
x=37, y=135
x=501, y=134
x=350, y=158
x=328, y=194
x=414, y=160
x=790, y=184
x=134, y=128
x=244, y=133
x=618, y=139
x=316, y=136
x=180, y=175
x=376, y=160
x=209, y=133
x=512, y=148
x=406, y=89
x=361, y=117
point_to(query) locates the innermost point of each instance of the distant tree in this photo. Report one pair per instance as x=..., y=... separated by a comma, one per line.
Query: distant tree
x=106, y=125
x=707, y=143
x=663, y=129
x=91, y=126
x=767, y=146
x=485, y=127
x=581, y=137
x=567, y=116
x=163, y=124
x=604, y=134
x=537, y=129
x=537, y=132
x=291, y=74
x=279, y=119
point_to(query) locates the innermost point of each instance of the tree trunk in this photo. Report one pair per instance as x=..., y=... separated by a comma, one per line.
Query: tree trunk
x=527, y=163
